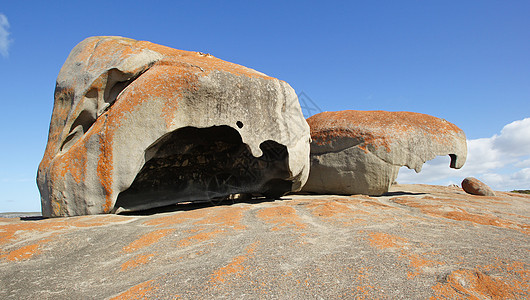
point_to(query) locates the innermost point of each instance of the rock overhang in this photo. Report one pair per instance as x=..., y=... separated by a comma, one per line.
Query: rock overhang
x=379, y=131
x=115, y=98
x=361, y=151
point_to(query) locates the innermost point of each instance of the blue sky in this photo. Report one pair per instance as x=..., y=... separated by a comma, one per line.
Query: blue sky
x=465, y=61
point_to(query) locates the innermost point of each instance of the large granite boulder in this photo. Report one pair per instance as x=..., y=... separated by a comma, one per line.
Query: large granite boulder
x=473, y=186
x=137, y=125
x=360, y=152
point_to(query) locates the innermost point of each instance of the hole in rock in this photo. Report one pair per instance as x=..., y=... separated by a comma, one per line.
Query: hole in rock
x=86, y=118
x=453, y=161
x=81, y=125
x=204, y=164
x=117, y=81
x=239, y=124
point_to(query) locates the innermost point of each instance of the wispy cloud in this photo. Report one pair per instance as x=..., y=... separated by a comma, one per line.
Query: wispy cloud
x=4, y=36
x=502, y=161
x=14, y=180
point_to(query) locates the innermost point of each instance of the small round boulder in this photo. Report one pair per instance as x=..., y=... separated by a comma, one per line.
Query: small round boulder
x=474, y=186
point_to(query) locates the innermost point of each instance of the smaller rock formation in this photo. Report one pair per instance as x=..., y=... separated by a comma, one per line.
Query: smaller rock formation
x=360, y=152
x=473, y=186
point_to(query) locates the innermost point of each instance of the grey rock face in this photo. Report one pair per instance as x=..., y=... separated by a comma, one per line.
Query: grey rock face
x=138, y=125
x=360, y=152
x=473, y=186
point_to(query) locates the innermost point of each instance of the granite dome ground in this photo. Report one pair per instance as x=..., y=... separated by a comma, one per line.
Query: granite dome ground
x=416, y=242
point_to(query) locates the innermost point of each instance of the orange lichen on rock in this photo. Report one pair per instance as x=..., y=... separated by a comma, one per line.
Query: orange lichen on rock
x=459, y=214
x=95, y=221
x=375, y=125
x=235, y=268
x=178, y=218
x=282, y=216
x=136, y=261
x=162, y=81
x=25, y=252
x=11, y=231
x=378, y=205
x=329, y=209
x=418, y=263
x=219, y=216
x=208, y=223
x=200, y=237
x=139, y=291
x=73, y=163
x=383, y=240
x=224, y=219
x=337, y=210
x=147, y=240
x=474, y=284
x=105, y=165
x=515, y=273
x=229, y=217
x=16, y=230
x=363, y=285
x=202, y=62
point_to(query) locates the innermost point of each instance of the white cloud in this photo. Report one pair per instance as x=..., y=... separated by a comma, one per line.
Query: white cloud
x=7, y=180
x=4, y=36
x=523, y=164
x=515, y=138
x=501, y=161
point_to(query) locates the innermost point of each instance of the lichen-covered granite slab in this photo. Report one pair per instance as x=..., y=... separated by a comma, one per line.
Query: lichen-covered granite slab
x=416, y=242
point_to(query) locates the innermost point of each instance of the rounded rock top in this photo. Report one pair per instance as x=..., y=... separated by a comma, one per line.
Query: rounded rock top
x=384, y=126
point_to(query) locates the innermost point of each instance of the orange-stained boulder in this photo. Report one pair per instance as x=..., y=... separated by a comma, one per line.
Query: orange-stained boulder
x=473, y=186
x=360, y=152
x=138, y=125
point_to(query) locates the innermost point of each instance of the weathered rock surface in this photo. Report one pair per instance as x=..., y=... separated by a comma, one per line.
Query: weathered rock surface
x=360, y=152
x=416, y=242
x=474, y=186
x=138, y=125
